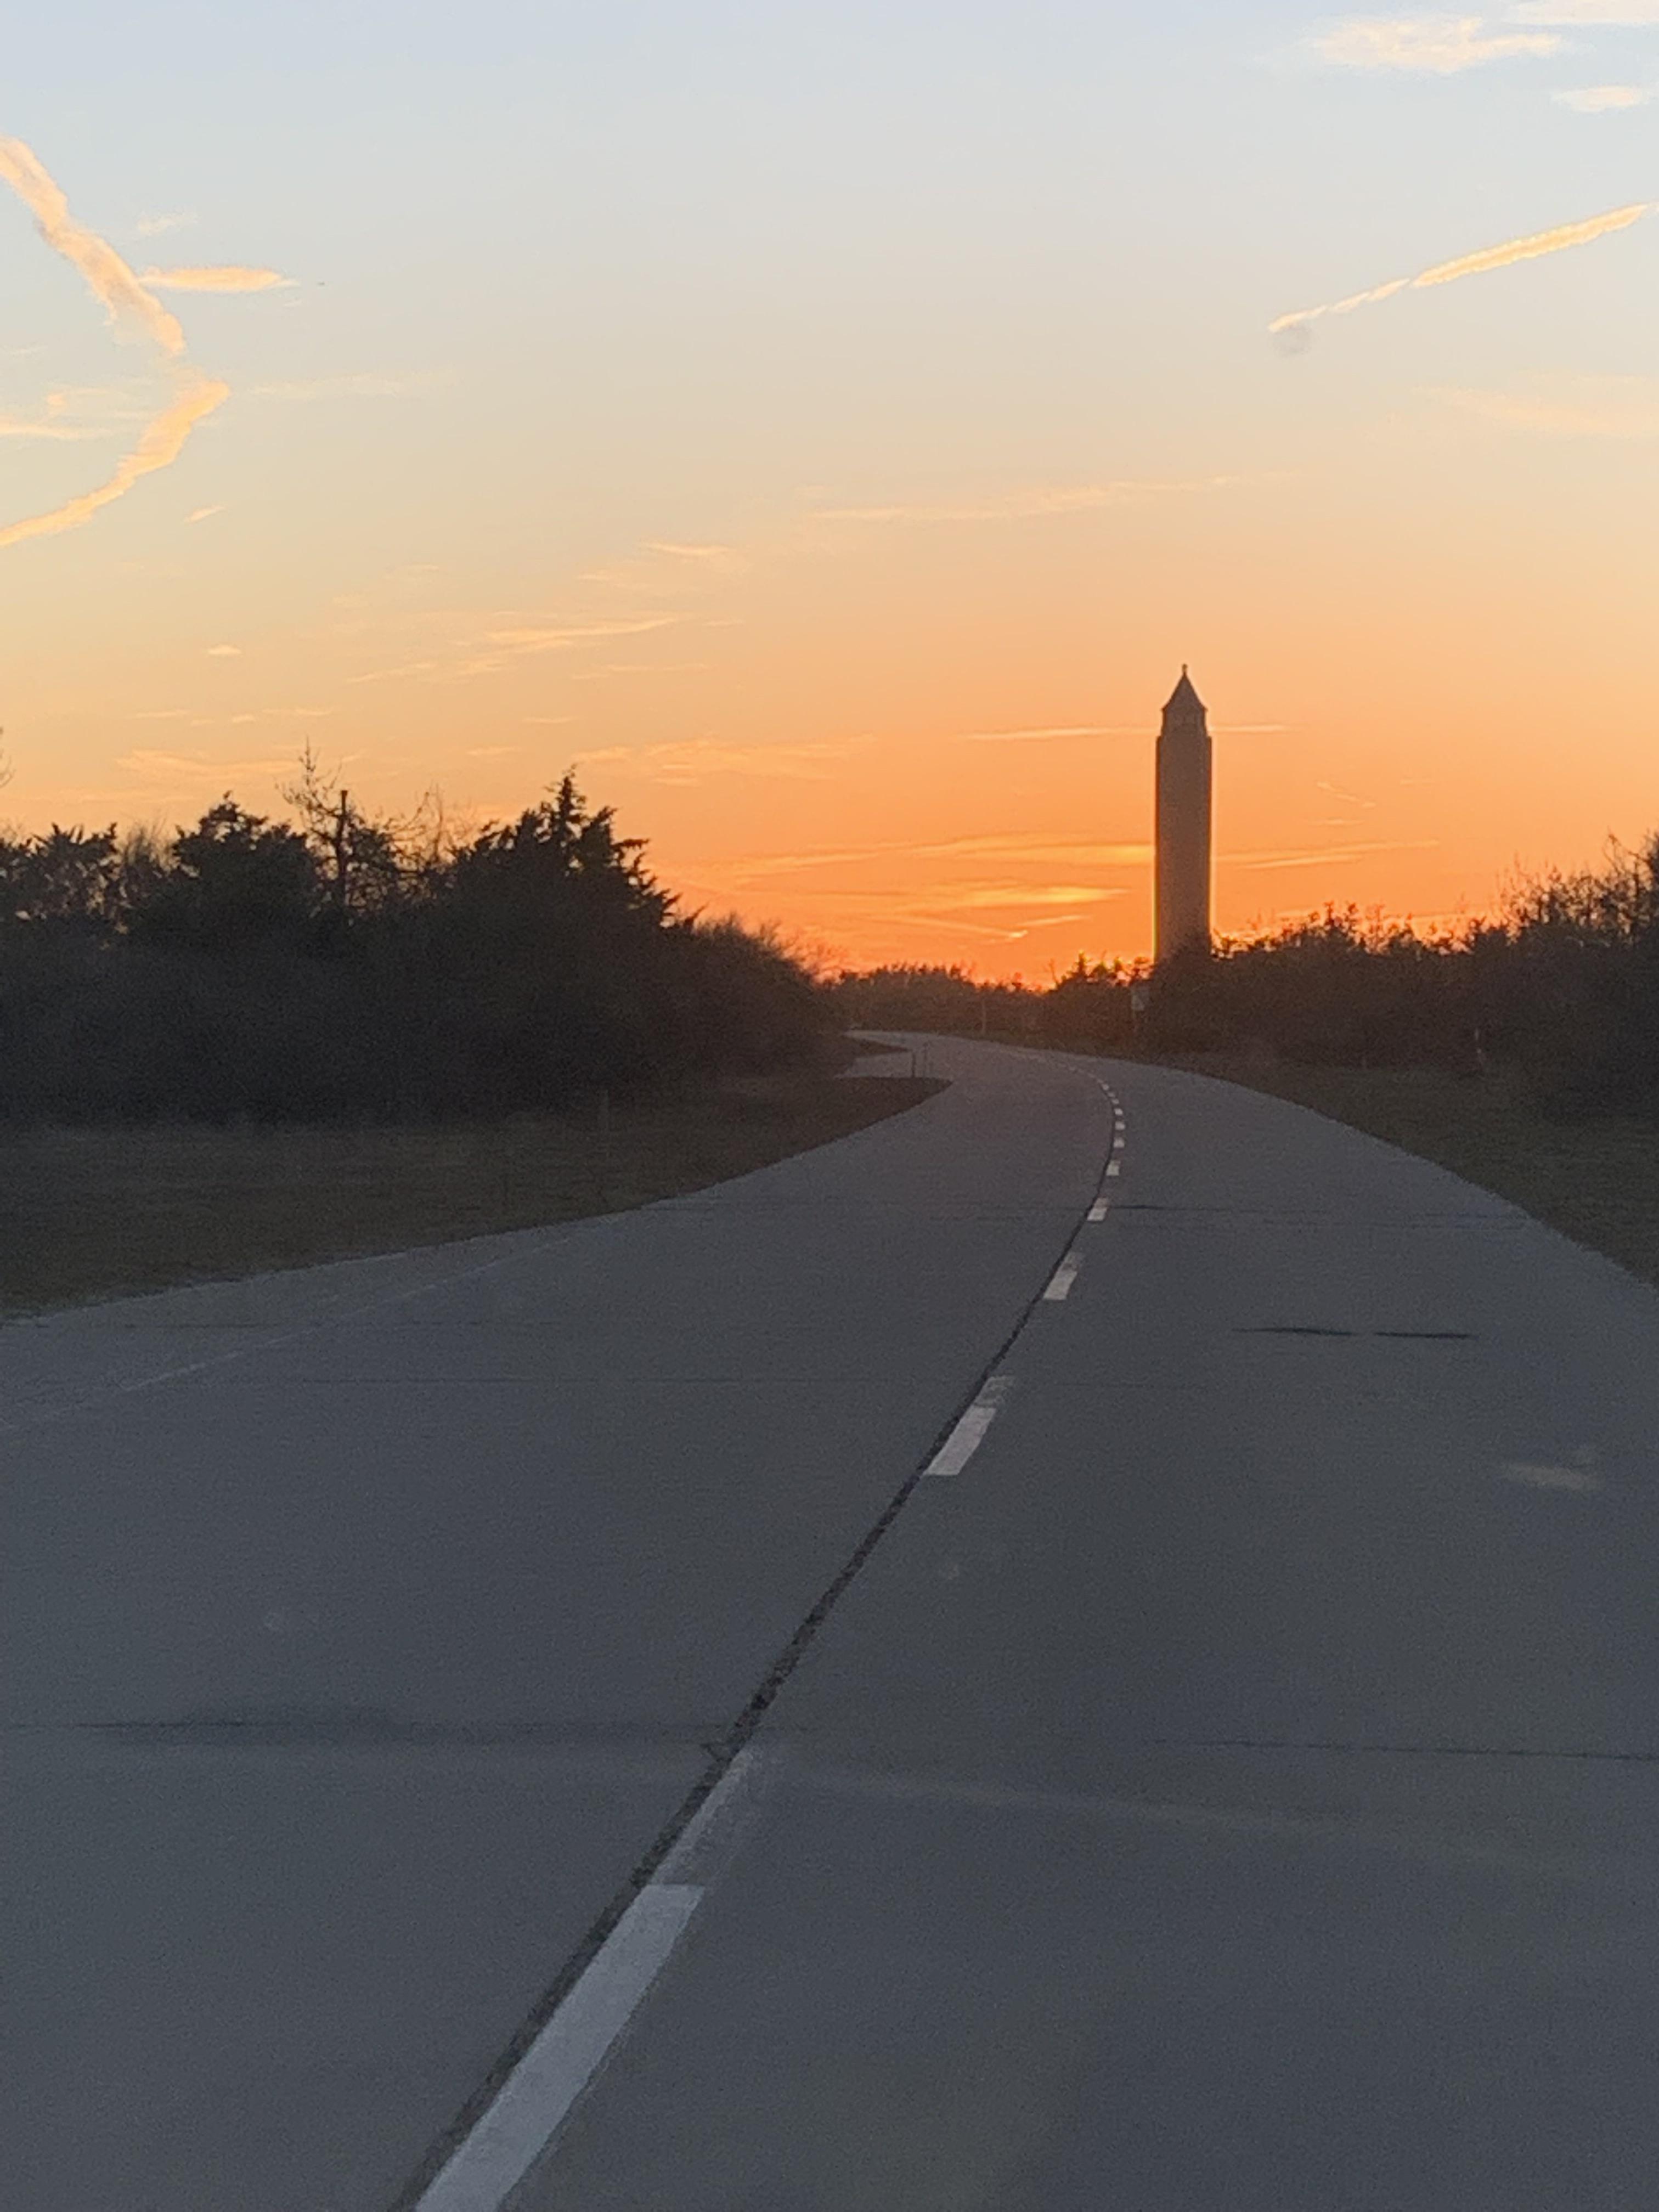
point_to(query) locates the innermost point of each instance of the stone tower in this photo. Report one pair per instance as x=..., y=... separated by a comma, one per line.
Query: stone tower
x=1183, y=823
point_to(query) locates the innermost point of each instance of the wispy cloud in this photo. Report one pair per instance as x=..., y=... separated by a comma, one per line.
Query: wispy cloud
x=1325, y=855
x=1617, y=407
x=555, y=637
x=507, y=645
x=693, y=760
x=1628, y=14
x=990, y=898
x=1040, y=852
x=361, y=386
x=1347, y=798
x=489, y=653
x=159, y=447
x=1110, y=730
x=673, y=552
x=1001, y=911
x=157, y=225
x=1035, y=502
x=224, y=651
x=1604, y=98
x=665, y=569
x=203, y=513
x=609, y=668
x=1064, y=730
x=1009, y=847
x=408, y=670
x=133, y=309
x=193, y=768
x=1532, y=247
x=123, y=295
x=1536, y=247
x=1441, y=45
x=226, y=279
x=54, y=422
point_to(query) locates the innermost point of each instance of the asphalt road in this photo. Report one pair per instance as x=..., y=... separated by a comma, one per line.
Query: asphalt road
x=1235, y=1786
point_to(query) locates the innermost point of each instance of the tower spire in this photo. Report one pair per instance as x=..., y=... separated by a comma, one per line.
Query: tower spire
x=1184, y=696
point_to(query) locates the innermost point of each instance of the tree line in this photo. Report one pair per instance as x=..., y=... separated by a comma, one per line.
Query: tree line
x=1563, y=985
x=343, y=965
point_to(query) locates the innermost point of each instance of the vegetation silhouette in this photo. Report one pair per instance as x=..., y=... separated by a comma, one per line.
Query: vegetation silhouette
x=1563, y=985
x=342, y=966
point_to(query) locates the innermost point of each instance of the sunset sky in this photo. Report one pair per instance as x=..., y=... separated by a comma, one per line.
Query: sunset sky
x=831, y=426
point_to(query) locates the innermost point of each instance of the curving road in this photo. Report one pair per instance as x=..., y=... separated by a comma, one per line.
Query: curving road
x=490, y=1692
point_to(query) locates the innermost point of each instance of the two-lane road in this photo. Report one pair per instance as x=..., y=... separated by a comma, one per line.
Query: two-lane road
x=1230, y=1780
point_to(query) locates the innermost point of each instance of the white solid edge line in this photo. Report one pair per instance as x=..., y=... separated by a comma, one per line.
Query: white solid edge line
x=1064, y=1276
x=563, y=2059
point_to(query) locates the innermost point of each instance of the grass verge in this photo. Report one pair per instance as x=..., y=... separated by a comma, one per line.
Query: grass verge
x=88, y=1214
x=1598, y=1180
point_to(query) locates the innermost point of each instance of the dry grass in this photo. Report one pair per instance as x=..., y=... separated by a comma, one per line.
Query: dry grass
x=1596, y=1180
x=87, y=1213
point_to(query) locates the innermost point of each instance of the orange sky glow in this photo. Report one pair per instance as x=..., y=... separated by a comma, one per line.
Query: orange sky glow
x=848, y=536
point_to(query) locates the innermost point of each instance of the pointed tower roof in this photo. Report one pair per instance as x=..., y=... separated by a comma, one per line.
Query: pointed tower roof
x=1184, y=696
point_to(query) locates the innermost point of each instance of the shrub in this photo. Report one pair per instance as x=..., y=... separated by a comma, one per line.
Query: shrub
x=347, y=968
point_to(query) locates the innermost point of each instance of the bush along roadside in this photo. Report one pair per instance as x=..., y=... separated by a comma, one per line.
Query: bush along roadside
x=339, y=966
x=1561, y=988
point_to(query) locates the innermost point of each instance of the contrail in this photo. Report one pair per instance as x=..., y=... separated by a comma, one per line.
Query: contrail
x=1532, y=248
x=134, y=308
x=215, y=280
x=158, y=448
x=109, y=277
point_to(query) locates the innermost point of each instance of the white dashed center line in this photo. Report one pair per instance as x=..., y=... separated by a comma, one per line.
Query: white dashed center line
x=559, y=2064
x=970, y=1431
x=1064, y=1276
x=536, y=2098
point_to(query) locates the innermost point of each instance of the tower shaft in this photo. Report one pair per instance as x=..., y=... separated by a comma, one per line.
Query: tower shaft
x=1183, y=824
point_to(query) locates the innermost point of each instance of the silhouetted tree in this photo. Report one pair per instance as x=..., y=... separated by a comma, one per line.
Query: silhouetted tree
x=364, y=862
x=348, y=965
x=234, y=880
x=66, y=877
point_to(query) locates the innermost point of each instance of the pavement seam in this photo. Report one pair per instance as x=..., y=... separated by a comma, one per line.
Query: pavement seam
x=1401, y=1750
x=724, y=1755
